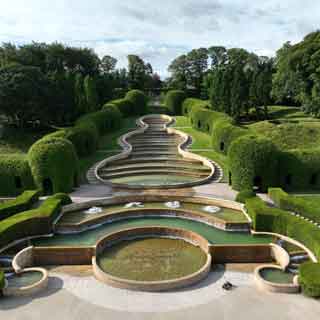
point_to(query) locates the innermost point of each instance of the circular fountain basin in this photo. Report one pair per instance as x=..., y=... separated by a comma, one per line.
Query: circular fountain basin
x=273, y=278
x=27, y=282
x=152, y=259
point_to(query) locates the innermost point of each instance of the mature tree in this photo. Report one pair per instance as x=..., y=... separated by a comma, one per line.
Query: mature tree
x=108, y=64
x=24, y=94
x=90, y=90
x=139, y=73
x=179, y=69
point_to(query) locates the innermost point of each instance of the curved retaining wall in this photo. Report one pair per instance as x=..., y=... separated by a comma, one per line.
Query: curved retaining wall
x=206, y=218
x=274, y=287
x=128, y=149
x=152, y=285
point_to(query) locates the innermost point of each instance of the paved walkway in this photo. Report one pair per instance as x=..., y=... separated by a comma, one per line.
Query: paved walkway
x=83, y=298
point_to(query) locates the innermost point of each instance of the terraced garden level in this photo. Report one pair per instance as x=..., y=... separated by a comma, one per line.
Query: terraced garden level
x=91, y=236
x=152, y=259
x=154, y=159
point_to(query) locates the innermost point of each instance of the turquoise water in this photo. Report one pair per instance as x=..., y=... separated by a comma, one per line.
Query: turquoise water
x=276, y=276
x=24, y=279
x=213, y=235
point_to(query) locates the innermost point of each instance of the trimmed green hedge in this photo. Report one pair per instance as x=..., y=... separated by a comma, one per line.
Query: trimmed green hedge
x=84, y=137
x=253, y=162
x=243, y=195
x=174, y=100
x=2, y=280
x=54, y=165
x=139, y=101
x=191, y=103
x=224, y=133
x=22, y=203
x=276, y=220
x=105, y=120
x=305, y=208
x=33, y=222
x=15, y=175
x=300, y=169
x=309, y=279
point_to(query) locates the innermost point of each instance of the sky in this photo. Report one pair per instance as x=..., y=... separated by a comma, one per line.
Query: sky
x=159, y=31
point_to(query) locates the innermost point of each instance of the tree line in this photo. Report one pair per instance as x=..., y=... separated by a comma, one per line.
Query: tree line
x=53, y=84
x=237, y=81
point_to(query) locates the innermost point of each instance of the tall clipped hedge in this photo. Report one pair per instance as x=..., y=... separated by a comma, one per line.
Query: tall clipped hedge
x=134, y=103
x=139, y=101
x=191, y=103
x=253, y=162
x=300, y=169
x=54, y=165
x=23, y=202
x=309, y=279
x=105, y=120
x=304, y=207
x=33, y=222
x=15, y=175
x=276, y=220
x=174, y=100
x=224, y=133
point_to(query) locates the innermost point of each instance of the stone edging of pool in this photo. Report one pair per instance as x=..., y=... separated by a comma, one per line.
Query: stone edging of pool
x=209, y=219
x=21, y=264
x=265, y=285
x=138, y=233
x=127, y=149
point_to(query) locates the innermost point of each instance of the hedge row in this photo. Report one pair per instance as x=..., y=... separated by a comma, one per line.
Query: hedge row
x=276, y=220
x=253, y=163
x=33, y=222
x=299, y=205
x=292, y=170
x=2, y=280
x=15, y=175
x=309, y=279
x=22, y=203
x=134, y=103
x=54, y=165
x=174, y=100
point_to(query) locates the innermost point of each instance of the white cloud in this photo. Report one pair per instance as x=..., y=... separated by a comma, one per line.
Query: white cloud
x=159, y=31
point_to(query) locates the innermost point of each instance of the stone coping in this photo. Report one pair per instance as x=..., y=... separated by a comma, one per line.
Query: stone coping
x=31, y=289
x=133, y=233
x=272, y=286
x=127, y=149
x=182, y=213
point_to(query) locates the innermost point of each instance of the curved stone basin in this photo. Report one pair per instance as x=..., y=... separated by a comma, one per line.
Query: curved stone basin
x=154, y=157
x=152, y=259
x=276, y=275
x=24, y=279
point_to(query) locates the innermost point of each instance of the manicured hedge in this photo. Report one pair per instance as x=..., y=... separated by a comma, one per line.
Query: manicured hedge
x=309, y=279
x=253, y=162
x=105, y=120
x=300, y=169
x=2, y=280
x=84, y=137
x=54, y=165
x=243, y=195
x=305, y=208
x=174, y=100
x=33, y=222
x=191, y=103
x=139, y=101
x=15, y=175
x=134, y=103
x=224, y=133
x=276, y=220
x=22, y=203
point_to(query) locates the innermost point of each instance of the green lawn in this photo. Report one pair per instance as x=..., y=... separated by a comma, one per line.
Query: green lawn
x=201, y=141
x=108, y=146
